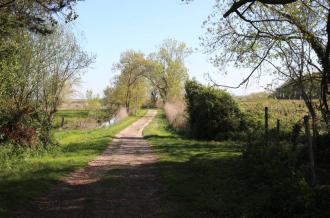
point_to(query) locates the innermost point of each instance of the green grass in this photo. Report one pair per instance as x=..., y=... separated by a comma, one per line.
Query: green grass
x=218, y=179
x=74, y=118
x=27, y=173
x=201, y=179
x=73, y=113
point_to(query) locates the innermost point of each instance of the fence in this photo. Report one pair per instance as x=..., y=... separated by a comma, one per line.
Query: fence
x=308, y=138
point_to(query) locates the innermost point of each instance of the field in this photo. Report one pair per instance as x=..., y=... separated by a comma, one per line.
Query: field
x=27, y=173
x=74, y=119
x=289, y=112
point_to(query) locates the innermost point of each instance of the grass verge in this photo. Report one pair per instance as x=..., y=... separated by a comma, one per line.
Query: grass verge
x=201, y=179
x=27, y=173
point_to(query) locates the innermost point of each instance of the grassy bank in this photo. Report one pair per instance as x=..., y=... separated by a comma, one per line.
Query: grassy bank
x=78, y=119
x=219, y=179
x=27, y=173
x=202, y=179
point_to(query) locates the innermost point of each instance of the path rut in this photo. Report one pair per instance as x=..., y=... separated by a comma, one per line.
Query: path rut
x=122, y=182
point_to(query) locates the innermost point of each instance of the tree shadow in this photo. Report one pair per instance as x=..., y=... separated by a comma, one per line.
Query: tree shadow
x=197, y=179
x=195, y=188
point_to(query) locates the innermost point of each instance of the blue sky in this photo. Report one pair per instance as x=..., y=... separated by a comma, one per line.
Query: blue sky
x=109, y=27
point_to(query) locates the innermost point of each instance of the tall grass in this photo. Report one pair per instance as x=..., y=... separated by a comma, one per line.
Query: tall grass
x=121, y=113
x=175, y=112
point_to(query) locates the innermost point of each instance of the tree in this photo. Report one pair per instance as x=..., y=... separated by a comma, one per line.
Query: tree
x=34, y=79
x=263, y=33
x=60, y=61
x=162, y=75
x=167, y=72
x=129, y=87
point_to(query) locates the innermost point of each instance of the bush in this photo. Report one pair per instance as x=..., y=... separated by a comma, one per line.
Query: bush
x=213, y=113
x=280, y=189
x=16, y=127
x=322, y=150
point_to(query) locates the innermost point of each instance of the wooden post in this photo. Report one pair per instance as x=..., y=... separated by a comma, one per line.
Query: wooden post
x=62, y=122
x=278, y=126
x=311, y=152
x=266, y=125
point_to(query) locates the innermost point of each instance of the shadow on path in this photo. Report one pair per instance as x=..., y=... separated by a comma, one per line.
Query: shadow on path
x=122, y=182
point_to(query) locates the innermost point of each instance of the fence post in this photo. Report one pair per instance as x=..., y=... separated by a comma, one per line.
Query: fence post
x=62, y=122
x=278, y=126
x=266, y=125
x=311, y=152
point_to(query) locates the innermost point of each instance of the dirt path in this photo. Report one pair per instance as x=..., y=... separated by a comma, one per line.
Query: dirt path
x=121, y=182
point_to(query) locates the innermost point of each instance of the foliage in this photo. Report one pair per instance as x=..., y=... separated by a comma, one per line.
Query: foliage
x=212, y=113
x=161, y=75
x=35, y=66
x=26, y=173
x=168, y=72
x=129, y=88
x=37, y=16
x=284, y=190
x=32, y=81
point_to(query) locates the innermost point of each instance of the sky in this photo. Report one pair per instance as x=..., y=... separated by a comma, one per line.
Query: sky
x=107, y=28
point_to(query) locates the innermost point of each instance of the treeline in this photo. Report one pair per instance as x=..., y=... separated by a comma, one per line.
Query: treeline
x=308, y=86
x=40, y=59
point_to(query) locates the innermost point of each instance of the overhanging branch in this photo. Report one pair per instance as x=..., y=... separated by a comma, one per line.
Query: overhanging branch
x=249, y=76
x=238, y=4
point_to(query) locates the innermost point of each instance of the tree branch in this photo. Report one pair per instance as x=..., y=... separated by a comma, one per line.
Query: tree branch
x=249, y=76
x=237, y=5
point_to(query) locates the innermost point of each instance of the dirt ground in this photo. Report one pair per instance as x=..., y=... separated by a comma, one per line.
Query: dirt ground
x=122, y=182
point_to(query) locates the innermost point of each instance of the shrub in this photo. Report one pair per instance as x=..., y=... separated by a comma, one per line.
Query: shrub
x=15, y=127
x=280, y=187
x=213, y=113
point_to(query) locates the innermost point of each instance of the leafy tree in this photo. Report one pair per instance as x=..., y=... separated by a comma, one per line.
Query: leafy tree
x=168, y=72
x=129, y=88
x=162, y=75
x=33, y=80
